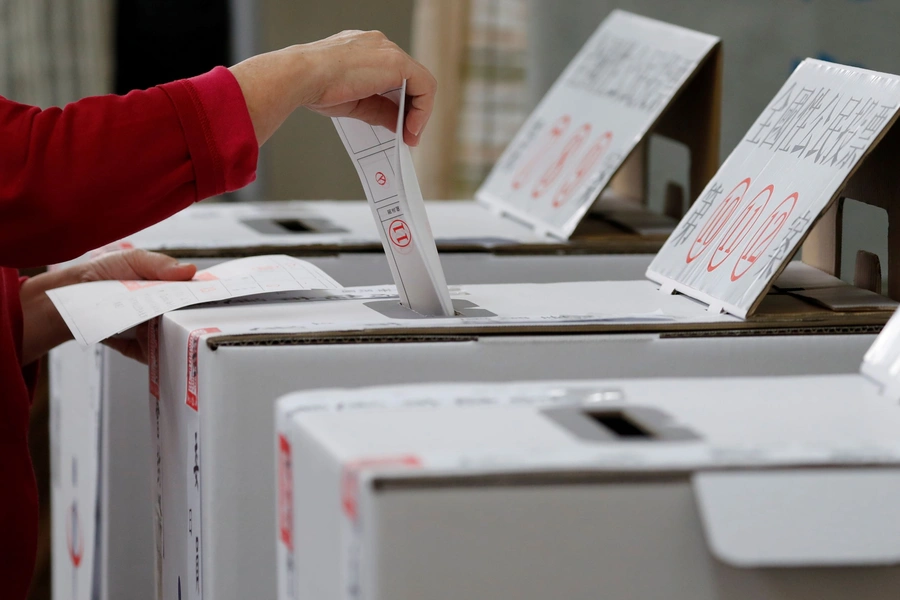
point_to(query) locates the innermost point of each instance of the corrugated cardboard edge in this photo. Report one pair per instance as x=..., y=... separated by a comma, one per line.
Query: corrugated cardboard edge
x=624, y=243
x=832, y=324
x=602, y=476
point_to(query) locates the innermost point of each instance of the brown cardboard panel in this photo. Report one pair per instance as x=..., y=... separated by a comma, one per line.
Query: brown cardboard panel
x=875, y=181
x=847, y=298
x=798, y=275
x=695, y=119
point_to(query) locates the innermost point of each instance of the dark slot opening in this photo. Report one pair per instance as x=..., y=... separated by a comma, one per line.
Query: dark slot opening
x=619, y=423
x=287, y=225
x=294, y=225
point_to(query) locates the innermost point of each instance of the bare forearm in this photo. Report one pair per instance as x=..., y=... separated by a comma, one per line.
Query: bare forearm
x=341, y=76
x=272, y=87
x=43, y=328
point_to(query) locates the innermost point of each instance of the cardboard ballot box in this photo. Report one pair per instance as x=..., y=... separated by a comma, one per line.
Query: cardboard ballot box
x=731, y=252
x=100, y=433
x=783, y=488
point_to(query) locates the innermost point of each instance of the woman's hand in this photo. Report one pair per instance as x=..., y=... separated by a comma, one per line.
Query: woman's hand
x=340, y=76
x=45, y=329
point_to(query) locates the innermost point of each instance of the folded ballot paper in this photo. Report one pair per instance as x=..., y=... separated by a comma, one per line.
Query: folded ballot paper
x=387, y=174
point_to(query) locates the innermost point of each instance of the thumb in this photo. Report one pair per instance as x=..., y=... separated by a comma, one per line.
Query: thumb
x=155, y=266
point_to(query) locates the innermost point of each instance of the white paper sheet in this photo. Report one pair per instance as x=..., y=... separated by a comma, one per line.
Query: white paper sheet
x=385, y=168
x=98, y=310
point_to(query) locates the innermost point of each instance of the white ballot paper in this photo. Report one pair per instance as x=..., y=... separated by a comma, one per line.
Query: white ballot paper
x=386, y=170
x=100, y=309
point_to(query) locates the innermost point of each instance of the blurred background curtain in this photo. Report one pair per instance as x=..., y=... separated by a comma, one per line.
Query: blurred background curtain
x=55, y=51
x=476, y=49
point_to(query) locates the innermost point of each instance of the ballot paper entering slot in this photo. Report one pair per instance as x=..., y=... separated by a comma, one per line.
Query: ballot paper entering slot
x=388, y=177
x=292, y=226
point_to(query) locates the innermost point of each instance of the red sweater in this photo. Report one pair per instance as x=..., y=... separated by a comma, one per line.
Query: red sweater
x=75, y=179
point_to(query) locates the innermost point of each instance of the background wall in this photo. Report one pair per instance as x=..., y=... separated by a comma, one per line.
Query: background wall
x=763, y=41
x=305, y=158
x=55, y=51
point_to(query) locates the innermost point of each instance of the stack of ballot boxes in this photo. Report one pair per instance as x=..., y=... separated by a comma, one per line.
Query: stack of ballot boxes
x=742, y=308
x=504, y=235
x=721, y=297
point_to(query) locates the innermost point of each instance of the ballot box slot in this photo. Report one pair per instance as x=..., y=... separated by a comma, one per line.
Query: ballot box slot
x=621, y=425
x=292, y=226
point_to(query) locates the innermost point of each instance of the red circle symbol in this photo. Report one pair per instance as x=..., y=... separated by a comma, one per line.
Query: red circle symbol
x=584, y=168
x=573, y=145
x=542, y=148
x=380, y=179
x=717, y=222
x=760, y=242
x=740, y=228
x=400, y=235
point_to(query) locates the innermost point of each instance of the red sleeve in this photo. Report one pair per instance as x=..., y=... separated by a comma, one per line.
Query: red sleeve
x=77, y=178
x=30, y=373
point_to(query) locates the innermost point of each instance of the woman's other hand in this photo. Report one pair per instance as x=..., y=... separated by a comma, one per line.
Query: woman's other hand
x=45, y=329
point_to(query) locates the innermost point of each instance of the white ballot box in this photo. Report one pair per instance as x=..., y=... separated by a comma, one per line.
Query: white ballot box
x=741, y=309
x=784, y=488
x=111, y=450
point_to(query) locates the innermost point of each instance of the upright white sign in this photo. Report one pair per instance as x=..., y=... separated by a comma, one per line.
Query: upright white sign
x=778, y=181
x=385, y=168
x=600, y=108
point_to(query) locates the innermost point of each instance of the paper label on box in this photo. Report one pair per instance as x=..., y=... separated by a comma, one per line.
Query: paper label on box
x=352, y=523
x=592, y=118
x=153, y=356
x=285, y=492
x=193, y=364
x=386, y=171
x=779, y=180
